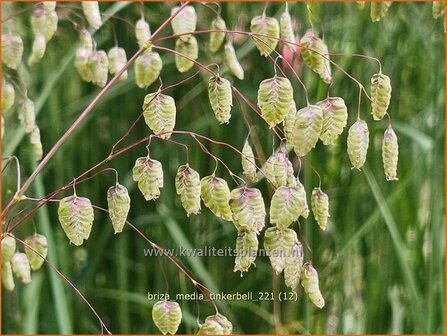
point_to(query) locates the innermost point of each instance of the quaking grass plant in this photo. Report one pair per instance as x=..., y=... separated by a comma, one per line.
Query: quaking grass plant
x=297, y=129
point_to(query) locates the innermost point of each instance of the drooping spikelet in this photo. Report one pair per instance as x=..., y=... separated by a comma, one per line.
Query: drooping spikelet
x=44, y=22
x=278, y=170
x=8, y=95
x=167, y=316
x=306, y=129
x=83, y=54
x=217, y=37
x=148, y=173
x=38, y=50
x=184, y=22
x=12, y=50
x=248, y=162
x=118, y=201
x=320, y=207
x=187, y=50
x=247, y=206
x=117, y=60
x=380, y=95
x=92, y=13
x=303, y=196
x=99, y=67
x=286, y=30
x=210, y=328
x=27, y=115
x=246, y=250
x=76, y=218
x=275, y=96
x=390, y=154
x=379, y=9
x=216, y=196
x=8, y=248
x=316, y=55
x=221, y=98
x=187, y=185
x=142, y=32
x=278, y=245
x=232, y=62
x=7, y=277
x=335, y=116
x=294, y=266
x=286, y=206
x=227, y=326
x=358, y=142
x=309, y=281
x=38, y=243
x=36, y=143
x=159, y=113
x=147, y=68
x=21, y=267
x=264, y=25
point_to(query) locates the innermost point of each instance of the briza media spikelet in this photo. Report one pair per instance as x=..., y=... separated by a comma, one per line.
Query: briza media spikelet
x=310, y=283
x=264, y=25
x=167, y=316
x=221, y=98
x=294, y=266
x=217, y=37
x=8, y=95
x=38, y=243
x=142, y=32
x=232, y=62
x=184, y=22
x=12, y=50
x=335, y=116
x=248, y=209
x=118, y=202
x=358, y=142
x=159, y=113
x=278, y=170
x=316, y=55
x=187, y=50
x=286, y=30
x=216, y=196
x=117, y=60
x=380, y=95
x=278, y=245
x=148, y=174
x=92, y=13
x=390, y=154
x=187, y=186
x=8, y=248
x=7, y=276
x=248, y=162
x=320, y=207
x=147, y=68
x=21, y=267
x=286, y=206
x=246, y=249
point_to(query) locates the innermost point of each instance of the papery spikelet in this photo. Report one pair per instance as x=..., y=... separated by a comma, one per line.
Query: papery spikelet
x=38, y=50
x=286, y=30
x=159, y=113
x=27, y=115
x=216, y=196
x=227, y=326
x=278, y=170
x=187, y=185
x=117, y=60
x=21, y=267
x=216, y=37
x=379, y=9
x=38, y=243
x=38, y=21
x=36, y=143
x=167, y=316
x=184, y=22
x=118, y=201
x=303, y=197
x=186, y=47
x=142, y=32
x=76, y=218
x=286, y=206
x=8, y=248
x=210, y=328
x=85, y=39
x=8, y=95
x=358, y=142
x=12, y=50
x=320, y=207
x=7, y=277
x=265, y=25
x=99, y=66
x=438, y=9
x=335, y=116
x=247, y=206
x=316, y=55
x=380, y=95
x=51, y=24
x=309, y=281
x=221, y=98
x=289, y=122
x=44, y=22
x=246, y=250
x=278, y=245
x=294, y=266
x=306, y=129
x=82, y=58
x=148, y=174
x=232, y=62
x=275, y=96
x=92, y=13
x=390, y=154
x=248, y=162
x=147, y=68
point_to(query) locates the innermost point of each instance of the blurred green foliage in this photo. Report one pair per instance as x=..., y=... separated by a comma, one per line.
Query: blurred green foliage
x=381, y=263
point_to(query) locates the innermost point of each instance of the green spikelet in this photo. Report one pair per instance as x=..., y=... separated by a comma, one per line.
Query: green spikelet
x=76, y=218
x=82, y=58
x=303, y=197
x=36, y=143
x=27, y=115
x=289, y=122
x=142, y=32
x=184, y=22
x=167, y=316
x=118, y=201
x=221, y=98
x=21, y=267
x=85, y=39
x=44, y=22
x=379, y=9
x=99, y=67
x=12, y=50
x=210, y=328
x=438, y=9
x=92, y=13
x=294, y=266
x=187, y=185
x=38, y=50
x=246, y=250
x=216, y=37
x=320, y=207
x=390, y=154
x=335, y=116
x=117, y=60
x=278, y=170
x=148, y=174
x=186, y=47
x=286, y=206
x=8, y=248
x=309, y=281
x=316, y=55
x=358, y=142
x=286, y=30
x=147, y=68
x=159, y=113
x=248, y=162
x=247, y=206
x=275, y=96
x=7, y=277
x=51, y=24
x=306, y=129
x=278, y=245
x=227, y=326
x=8, y=95
x=265, y=25
x=232, y=62
x=39, y=243
x=380, y=95
x=216, y=196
